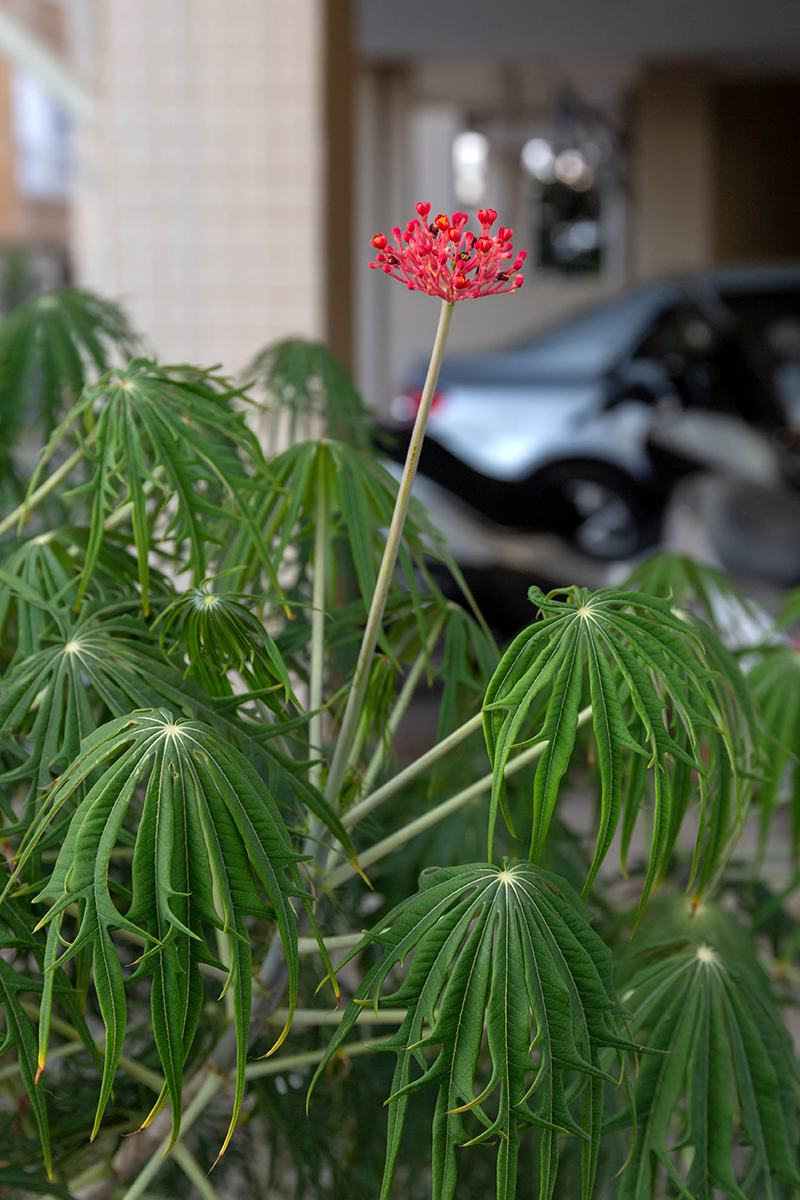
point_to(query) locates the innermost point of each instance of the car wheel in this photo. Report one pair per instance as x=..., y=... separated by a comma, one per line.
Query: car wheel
x=595, y=506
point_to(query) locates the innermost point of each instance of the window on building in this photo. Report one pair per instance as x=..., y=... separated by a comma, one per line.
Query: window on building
x=41, y=138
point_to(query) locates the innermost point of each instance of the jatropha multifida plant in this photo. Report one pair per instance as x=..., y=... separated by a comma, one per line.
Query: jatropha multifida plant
x=208, y=648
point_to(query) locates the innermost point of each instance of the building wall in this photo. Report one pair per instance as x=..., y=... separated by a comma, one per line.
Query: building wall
x=672, y=177
x=199, y=190
x=757, y=169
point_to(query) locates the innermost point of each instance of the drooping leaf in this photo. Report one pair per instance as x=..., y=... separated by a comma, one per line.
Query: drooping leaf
x=45, y=570
x=220, y=633
x=21, y=947
x=361, y=499
x=210, y=849
x=659, y=685
x=507, y=952
x=165, y=440
x=50, y=348
x=304, y=381
x=723, y=1084
x=106, y=663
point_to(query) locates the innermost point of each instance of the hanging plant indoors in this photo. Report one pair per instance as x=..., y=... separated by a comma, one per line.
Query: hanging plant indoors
x=207, y=651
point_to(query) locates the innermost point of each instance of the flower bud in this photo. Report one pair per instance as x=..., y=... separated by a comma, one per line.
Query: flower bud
x=379, y=241
x=454, y=234
x=487, y=216
x=505, y=235
x=423, y=210
x=484, y=244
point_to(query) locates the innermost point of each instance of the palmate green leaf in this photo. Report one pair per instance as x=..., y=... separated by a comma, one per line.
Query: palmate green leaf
x=219, y=634
x=724, y=1079
x=166, y=440
x=106, y=663
x=45, y=570
x=507, y=951
x=50, y=347
x=361, y=499
x=304, y=380
x=51, y=697
x=210, y=850
x=664, y=678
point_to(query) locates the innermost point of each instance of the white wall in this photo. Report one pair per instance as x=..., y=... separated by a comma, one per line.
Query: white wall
x=199, y=191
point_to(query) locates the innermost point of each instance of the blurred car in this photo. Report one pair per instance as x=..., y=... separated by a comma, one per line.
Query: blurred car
x=560, y=433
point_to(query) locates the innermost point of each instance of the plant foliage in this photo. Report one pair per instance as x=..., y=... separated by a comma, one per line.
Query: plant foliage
x=650, y=673
x=721, y=1091
x=508, y=949
x=181, y=613
x=210, y=849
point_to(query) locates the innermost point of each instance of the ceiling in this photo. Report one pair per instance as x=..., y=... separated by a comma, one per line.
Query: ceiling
x=536, y=30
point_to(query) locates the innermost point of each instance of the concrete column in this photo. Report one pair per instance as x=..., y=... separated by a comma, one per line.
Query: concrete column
x=672, y=176
x=339, y=177
x=200, y=189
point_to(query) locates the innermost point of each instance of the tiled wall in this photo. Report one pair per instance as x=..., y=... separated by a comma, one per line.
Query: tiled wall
x=199, y=192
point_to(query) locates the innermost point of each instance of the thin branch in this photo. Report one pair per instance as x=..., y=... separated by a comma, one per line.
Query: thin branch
x=42, y=492
x=375, y=853
x=309, y=945
x=402, y=703
x=358, y=687
x=274, y=1066
x=193, y=1171
x=398, y=781
x=315, y=1016
x=211, y=1085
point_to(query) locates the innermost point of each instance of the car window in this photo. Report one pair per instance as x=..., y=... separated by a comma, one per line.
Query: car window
x=712, y=364
x=591, y=343
x=771, y=319
x=771, y=322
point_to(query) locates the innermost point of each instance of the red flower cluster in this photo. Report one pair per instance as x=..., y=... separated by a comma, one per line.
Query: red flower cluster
x=444, y=260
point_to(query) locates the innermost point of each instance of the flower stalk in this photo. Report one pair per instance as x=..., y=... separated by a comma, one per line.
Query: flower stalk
x=316, y=680
x=355, y=699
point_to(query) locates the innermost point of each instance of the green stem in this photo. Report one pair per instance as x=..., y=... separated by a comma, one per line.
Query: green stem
x=358, y=686
x=193, y=1171
x=315, y=1016
x=274, y=1066
x=433, y=816
x=211, y=1086
x=318, y=599
x=398, y=781
x=398, y=712
x=401, y=705
x=49, y=485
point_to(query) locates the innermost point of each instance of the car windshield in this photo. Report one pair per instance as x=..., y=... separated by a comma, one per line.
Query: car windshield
x=590, y=343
